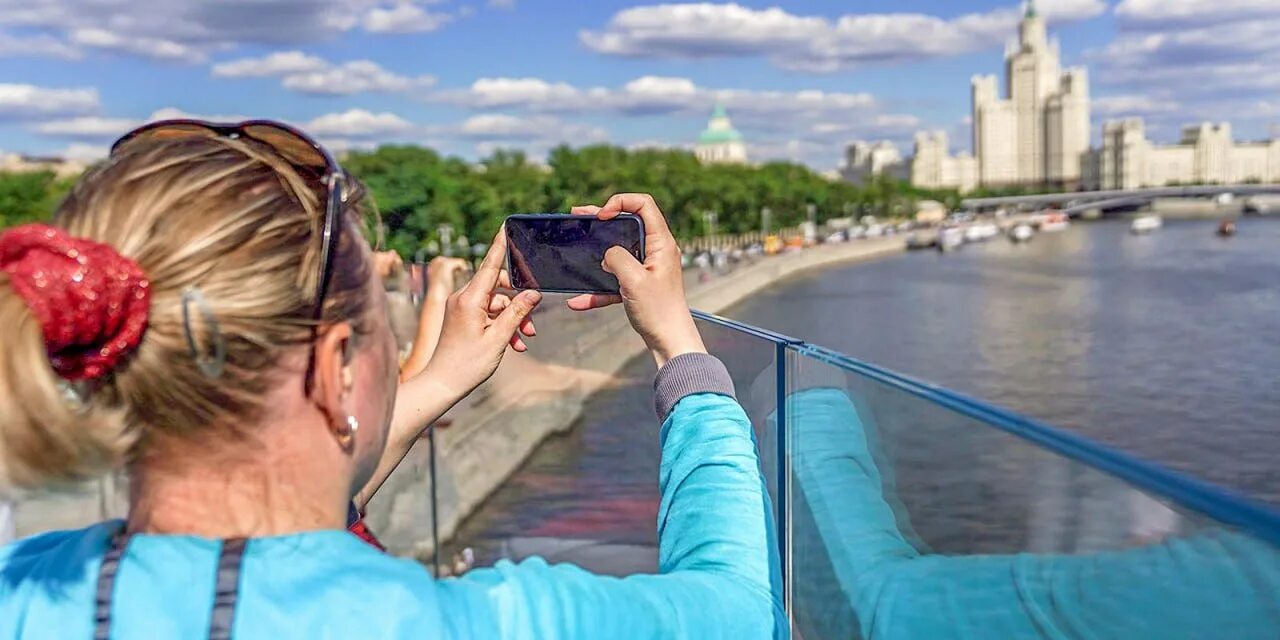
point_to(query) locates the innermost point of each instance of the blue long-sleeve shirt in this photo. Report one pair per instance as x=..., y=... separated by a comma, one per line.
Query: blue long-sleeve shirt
x=714, y=561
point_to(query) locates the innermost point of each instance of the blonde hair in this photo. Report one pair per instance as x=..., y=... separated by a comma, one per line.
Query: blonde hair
x=229, y=218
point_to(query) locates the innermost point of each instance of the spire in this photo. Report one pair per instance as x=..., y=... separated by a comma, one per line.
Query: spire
x=719, y=111
x=1031, y=9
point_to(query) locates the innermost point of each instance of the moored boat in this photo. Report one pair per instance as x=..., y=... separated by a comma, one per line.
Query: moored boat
x=1021, y=232
x=981, y=232
x=921, y=240
x=1053, y=222
x=950, y=239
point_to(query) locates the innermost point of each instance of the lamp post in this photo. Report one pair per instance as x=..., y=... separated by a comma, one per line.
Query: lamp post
x=766, y=216
x=710, y=217
x=445, y=232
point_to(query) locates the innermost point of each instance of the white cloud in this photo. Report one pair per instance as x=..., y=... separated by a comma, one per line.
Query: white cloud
x=81, y=152
x=655, y=95
x=104, y=128
x=661, y=145
x=1129, y=105
x=190, y=31
x=358, y=76
x=881, y=125
x=404, y=18
x=26, y=101
x=159, y=48
x=1175, y=62
x=276, y=64
x=795, y=150
x=174, y=113
x=1197, y=52
x=810, y=43
x=41, y=46
x=1159, y=14
x=501, y=92
x=358, y=123
x=509, y=128
x=820, y=122
x=90, y=127
x=309, y=74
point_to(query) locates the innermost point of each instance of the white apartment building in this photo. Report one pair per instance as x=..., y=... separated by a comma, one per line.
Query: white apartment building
x=864, y=160
x=933, y=167
x=1206, y=154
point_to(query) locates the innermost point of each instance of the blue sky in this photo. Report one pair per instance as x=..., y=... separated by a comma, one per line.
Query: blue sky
x=801, y=79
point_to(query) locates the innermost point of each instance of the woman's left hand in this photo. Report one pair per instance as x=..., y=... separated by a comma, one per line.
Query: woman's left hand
x=387, y=263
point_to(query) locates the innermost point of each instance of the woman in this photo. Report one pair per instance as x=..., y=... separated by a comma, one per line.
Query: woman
x=204, y=311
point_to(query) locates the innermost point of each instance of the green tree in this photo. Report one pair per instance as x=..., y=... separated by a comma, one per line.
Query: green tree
x=29, y=197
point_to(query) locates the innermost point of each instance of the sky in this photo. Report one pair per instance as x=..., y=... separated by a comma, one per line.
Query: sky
x=801, y=79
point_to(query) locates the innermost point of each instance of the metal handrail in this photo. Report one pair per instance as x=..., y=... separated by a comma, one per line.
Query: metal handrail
x=1221, y=504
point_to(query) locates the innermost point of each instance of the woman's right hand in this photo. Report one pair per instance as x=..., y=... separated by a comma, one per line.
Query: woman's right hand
x=652, y=292
x=479, y=324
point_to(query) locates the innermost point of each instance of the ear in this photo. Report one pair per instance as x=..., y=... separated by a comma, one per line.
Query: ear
x=333, y=379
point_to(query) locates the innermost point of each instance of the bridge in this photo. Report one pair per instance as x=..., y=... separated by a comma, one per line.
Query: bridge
x=1077, y=202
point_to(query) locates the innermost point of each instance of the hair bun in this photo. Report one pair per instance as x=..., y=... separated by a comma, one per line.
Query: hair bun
x=92, y=302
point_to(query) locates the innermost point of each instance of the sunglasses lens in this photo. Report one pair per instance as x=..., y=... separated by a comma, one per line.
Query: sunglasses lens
x=297, y=150
x=172, y=131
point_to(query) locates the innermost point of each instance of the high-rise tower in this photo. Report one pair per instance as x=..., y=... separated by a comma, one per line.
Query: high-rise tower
x=1037, y=133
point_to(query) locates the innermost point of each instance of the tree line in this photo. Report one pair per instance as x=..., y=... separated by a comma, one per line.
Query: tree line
x=421, y=194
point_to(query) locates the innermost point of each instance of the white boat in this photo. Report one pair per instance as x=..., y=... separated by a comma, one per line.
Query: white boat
x=1146, y=224
x=921, y=240
x=950, y=239
x=981, y=232
x=1054, y=222
x=1021, y=232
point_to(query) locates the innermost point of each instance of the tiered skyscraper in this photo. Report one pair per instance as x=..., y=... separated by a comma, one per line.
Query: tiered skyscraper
x=1036, y=134
x=1039, y=133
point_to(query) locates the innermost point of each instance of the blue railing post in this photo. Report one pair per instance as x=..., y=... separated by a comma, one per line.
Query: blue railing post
x=435, y=502
x=783, y=519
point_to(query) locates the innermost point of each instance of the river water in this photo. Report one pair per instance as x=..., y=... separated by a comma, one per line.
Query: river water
x=1166, y=346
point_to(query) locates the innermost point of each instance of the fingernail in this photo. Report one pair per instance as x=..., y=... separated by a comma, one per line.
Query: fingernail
x=535, y=297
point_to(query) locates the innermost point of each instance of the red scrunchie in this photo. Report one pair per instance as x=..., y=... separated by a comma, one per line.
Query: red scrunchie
x=92, y=302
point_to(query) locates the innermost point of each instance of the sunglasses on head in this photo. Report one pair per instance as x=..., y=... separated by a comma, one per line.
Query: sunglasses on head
x=296, y=148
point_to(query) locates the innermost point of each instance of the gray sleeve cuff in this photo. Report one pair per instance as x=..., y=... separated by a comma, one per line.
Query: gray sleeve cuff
x=685, y=375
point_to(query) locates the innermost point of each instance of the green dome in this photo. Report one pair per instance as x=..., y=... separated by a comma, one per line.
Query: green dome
x=713, y=136
x=719, y=129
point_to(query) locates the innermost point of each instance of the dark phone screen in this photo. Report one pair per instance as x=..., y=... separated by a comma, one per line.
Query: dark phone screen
x=563, y=253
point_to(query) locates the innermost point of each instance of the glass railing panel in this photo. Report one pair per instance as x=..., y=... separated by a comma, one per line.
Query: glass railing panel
x=910, y=518
x=752, y=363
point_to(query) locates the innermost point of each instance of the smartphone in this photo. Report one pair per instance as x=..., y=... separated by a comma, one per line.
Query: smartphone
x=559, y=253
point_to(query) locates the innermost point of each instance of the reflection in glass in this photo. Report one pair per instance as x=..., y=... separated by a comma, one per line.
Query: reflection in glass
x=1083, y=554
